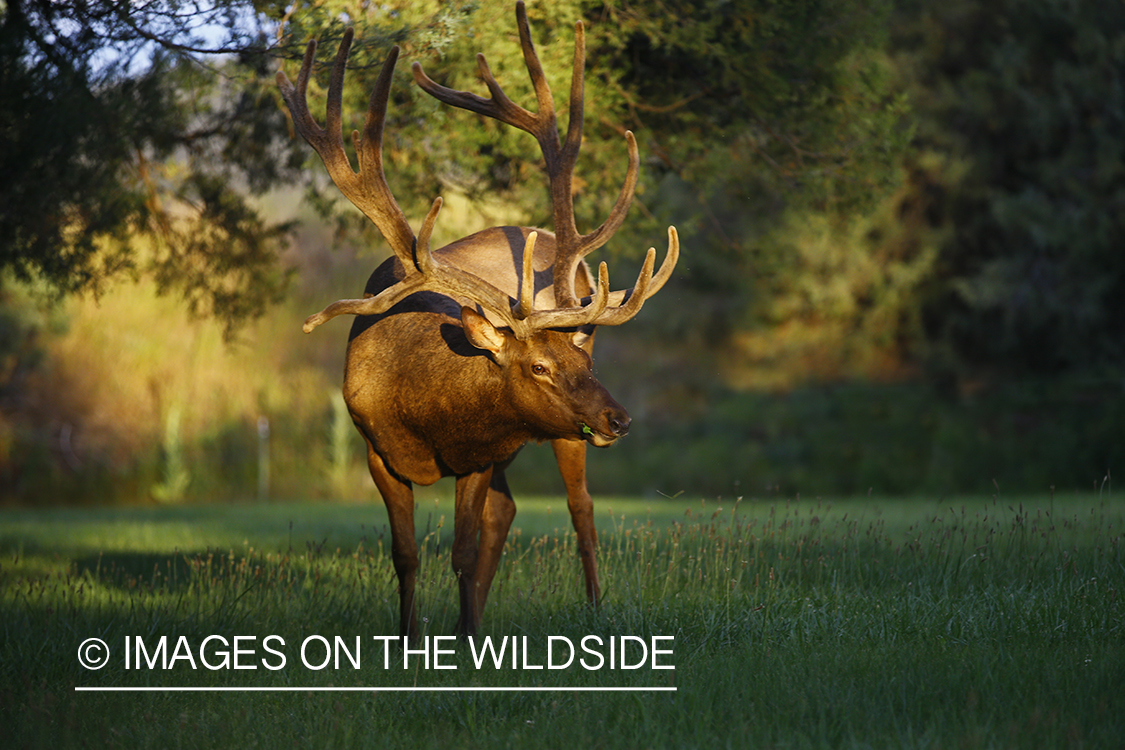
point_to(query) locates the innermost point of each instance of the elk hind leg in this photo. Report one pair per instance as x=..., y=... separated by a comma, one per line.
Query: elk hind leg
x=496, y=520
x=472, y=494
x=398, y=496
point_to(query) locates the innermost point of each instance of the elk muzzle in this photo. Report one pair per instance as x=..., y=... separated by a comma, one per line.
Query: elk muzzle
x=611, y=423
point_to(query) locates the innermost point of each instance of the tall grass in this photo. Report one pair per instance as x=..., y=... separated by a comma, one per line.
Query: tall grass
x=983, y=623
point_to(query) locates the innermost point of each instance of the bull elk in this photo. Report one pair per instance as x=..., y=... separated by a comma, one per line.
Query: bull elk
x=460, y=356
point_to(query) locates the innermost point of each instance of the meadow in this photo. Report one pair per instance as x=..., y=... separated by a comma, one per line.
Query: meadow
x=796, y=623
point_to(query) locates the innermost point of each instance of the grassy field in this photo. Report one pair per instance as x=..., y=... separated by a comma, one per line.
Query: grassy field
x=957, y=623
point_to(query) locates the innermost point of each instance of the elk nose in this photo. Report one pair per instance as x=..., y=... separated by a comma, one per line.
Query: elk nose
x=618, y=422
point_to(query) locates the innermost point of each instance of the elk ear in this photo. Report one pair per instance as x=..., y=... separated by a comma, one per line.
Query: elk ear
x=481, y=333
x=583, y=338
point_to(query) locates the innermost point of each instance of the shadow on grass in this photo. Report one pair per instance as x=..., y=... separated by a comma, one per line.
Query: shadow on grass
x=125, y=570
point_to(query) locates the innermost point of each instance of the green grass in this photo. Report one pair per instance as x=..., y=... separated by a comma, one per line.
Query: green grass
x=990, y=622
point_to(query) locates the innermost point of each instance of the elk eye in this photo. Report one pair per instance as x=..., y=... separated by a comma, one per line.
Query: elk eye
x=538, y=369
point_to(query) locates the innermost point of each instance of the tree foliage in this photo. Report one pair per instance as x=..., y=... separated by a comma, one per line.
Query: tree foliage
x=130, y=143
x=1019, y=159
x=779, y=133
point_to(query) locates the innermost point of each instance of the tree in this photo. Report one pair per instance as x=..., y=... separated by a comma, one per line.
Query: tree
x=779, y=132
x=1019, y=159
x=130, y=144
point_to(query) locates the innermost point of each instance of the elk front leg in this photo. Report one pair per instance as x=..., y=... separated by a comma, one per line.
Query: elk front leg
x=399, y=499
x=472, y=494
x=571, y=457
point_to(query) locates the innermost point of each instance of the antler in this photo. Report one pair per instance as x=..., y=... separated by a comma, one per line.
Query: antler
x=368, y=188
x=434, y=276
x=560, y=158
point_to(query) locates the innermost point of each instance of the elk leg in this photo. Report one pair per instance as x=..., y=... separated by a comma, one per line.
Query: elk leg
x=571, y=457
x=472, y=494
x=399, y=499
x=499, y=510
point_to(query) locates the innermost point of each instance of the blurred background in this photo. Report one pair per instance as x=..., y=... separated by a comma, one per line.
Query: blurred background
x=903, y=228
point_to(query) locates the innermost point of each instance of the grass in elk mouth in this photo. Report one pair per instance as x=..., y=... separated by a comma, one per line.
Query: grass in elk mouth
x=977, y=623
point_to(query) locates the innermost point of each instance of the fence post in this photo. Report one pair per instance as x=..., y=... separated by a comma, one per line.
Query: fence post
x=263, y=459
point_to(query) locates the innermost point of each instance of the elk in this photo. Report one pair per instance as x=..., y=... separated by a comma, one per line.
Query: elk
x=459, y=356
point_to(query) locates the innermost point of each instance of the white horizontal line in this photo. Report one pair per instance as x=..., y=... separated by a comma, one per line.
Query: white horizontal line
x=374, y=689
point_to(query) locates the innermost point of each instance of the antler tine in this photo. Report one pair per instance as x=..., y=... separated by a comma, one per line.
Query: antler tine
x=498, y=107
x=297, y=99
x=417, y=271
x=546, y=102
x=334, y=107
x=443, y=279
x=669, y=264
x=423, y=259
x=527, y=279
x=368, y=189
x=595, y=239
x=633, y=298
x=577, y=92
